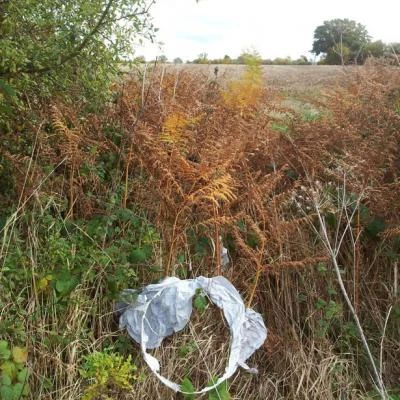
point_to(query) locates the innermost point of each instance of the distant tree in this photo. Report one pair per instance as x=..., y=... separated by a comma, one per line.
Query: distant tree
x=282, y=61
x=375, y=49
x=162, y=59
x=341, y=41
x=303, y=60
x=338, y=54
x=139, y=59
x=178, y=60
x=227, y=60
x=266, y=62
x=201, y=59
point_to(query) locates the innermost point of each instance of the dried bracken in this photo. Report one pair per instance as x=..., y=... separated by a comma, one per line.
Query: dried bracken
x=235, y=163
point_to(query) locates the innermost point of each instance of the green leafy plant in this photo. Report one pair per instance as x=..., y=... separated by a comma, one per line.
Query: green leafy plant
x=108, y=373
x=280, y=127
x=187, y=389
x=51, y=48
x=310, y=115
x=221, y=392
x=14, y=372
x=331, y=310
x=186, y=349
x=200, y=302
x=76, y=260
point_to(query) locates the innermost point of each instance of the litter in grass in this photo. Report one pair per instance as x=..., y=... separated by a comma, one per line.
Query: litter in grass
x=163, y=309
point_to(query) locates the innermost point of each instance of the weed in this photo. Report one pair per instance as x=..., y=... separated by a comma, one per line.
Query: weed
x=330, y=313
x=110, y=374
x=280, y=127
x=187, y=389
x=200, y=301
x=219, y=393
x=14, y=372
x=188, y=348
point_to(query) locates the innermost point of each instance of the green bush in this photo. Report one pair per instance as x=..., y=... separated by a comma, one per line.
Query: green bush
x=70, y=50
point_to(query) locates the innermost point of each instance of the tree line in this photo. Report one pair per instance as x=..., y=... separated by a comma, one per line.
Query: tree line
x=336, y=42
x=344, y=41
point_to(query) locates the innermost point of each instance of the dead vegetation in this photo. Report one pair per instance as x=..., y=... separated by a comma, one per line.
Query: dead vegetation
x=213, y=163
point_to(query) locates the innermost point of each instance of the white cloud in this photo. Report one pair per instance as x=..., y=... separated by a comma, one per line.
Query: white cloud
x=276, y=28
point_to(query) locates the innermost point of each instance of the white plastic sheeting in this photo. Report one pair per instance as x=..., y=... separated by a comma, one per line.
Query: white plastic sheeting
x=165, y=308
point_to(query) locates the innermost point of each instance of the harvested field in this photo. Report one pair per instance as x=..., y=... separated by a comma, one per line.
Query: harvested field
x=284, y=76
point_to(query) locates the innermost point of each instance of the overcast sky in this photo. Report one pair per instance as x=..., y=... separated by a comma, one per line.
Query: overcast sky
x=276, y=28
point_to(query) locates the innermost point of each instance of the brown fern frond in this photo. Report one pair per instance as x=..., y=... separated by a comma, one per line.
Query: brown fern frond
x=305, y=262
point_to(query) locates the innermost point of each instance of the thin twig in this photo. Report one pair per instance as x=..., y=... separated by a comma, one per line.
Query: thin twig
x=333, y=252
x=382, y=340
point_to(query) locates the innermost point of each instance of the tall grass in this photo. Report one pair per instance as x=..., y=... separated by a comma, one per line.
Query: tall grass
x=177, y=166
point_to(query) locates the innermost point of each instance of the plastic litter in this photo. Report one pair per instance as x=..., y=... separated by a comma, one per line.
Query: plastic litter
x=224, y=258
x=162, y=309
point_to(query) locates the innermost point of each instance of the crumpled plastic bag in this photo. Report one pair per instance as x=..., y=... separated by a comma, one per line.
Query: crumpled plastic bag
x=162, y=309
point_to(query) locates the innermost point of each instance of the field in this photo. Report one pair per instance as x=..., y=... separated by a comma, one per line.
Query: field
x=293, y=169
x=282, y=76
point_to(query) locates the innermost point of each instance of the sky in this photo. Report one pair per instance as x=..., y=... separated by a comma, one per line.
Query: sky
x=275, y=28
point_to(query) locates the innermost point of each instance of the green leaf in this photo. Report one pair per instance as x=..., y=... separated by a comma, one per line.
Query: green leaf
x=65, y=282
x=331, y=219
x=376, y=226
x=332, y=310
x=62, y=286
x=3, y=344
x=221, y=392
x=7, y=89
x=202, y=246
x=200, y=302
x=18, y=390
x=332, y=291
x=320, y=304
x=23, y=375
x=253, y=240
x=241, y=224
x=187, y=388
x=5, y=352
x=321, y=267
x=282, y=128
x=137, y=255
x=9, y=368
x=6, y=393
x=187, y=349
x=180, y=259
x=20, y=354
x=5, y=380
x=26, y=390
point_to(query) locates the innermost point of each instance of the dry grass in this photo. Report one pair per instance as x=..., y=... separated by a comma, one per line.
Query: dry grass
x=202, y=161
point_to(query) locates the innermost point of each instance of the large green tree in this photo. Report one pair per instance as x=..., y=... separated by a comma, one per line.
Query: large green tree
x=71, y=48
x=341, y=41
